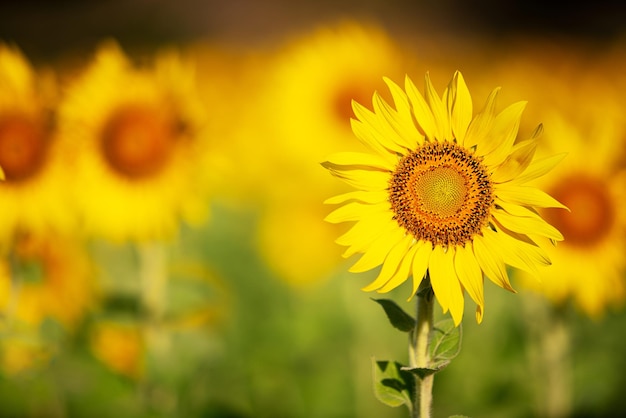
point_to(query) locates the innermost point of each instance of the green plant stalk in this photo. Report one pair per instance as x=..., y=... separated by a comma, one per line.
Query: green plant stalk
x=418, y=349
x=153, y=278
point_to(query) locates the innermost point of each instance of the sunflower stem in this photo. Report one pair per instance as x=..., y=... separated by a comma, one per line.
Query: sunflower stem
x=418, y=349
x=154, y=278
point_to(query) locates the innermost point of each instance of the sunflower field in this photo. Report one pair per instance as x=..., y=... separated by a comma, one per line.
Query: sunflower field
x=312, y=210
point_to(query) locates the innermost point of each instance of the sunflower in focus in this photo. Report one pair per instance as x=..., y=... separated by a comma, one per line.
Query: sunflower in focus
x=35, y=175
x=443, y=193
x=589, y=266
x=136, y=134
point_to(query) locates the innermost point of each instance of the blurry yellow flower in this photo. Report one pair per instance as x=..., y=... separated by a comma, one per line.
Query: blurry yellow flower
x=443, y=194
x=18, y=354
x=32, y=194
x=137, y=135
x=311, y=87
x=50, y=277
x=120, y=346
x=589, y=266
x=306, y=110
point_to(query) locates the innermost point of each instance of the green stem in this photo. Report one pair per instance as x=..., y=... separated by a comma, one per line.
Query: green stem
x=418, y=349
x=153, y=277
x=550, y=356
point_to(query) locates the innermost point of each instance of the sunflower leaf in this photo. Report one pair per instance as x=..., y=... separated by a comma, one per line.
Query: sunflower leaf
x=420, y=372
x=445, y=343
x=396, y=315
x=393, y=386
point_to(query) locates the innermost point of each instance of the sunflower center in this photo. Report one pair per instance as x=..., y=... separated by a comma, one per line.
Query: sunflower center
x=137, y=142
x=441, y=193
x=592, y=212
x=23, y=147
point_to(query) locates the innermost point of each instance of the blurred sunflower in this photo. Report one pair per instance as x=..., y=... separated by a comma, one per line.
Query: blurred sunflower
x=119, y=345
x=321, y=73
x=46, y=276
x=588, y=267
x=32, y=194
x=137, y=140
x=443, y=195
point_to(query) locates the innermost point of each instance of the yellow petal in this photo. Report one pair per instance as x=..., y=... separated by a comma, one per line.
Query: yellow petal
x=442, y=119
x=420, y=264
x=403, y=271
x=470, y=276
x=364, y=196
x=353, y=160
x=516, y=162
x=378, y=251
x=364, y=179
x=445, y=282
x=531, y=224
x=526, y=196
x=403, y=108
x=538, y=168
x=460, y=103
x=391, y=264
x=378, y=126
x=399, y=129
x=481, y=125
x=421, y=110
x=354, y=211
x=502, y=135
x=491, y=263
x=517, y=253
x=372, y=139
x=364, y=232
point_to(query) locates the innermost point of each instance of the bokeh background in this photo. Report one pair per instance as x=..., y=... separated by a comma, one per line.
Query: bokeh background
x=196, y=277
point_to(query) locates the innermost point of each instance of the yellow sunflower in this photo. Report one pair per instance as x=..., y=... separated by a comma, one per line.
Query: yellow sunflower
x=589, y=266
x=120, y=345
x=33, y=191
x=46, y=276
x=322, y=72
x=443, y=193
x=136, y=135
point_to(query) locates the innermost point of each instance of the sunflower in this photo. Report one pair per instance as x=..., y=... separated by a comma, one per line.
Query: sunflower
x=120, y=345
x=46, y=276
x=33, y=191
x=322, y=71
x=589, y=266
x=443, y=193
x=136, y=134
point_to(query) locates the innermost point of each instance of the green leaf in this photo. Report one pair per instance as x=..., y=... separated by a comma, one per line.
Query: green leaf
x=458, y=416
x=420, y=372
x=445, y=343
x=392, y=385
x=398, y=318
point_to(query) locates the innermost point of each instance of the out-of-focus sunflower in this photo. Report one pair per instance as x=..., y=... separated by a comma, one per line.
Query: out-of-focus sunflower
x=33, y=192
x=120, y=345
x=47, y=276
x=136, y=134
x=589, y=266
x=443, y=193
x=19, y=353
x=306, y=105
